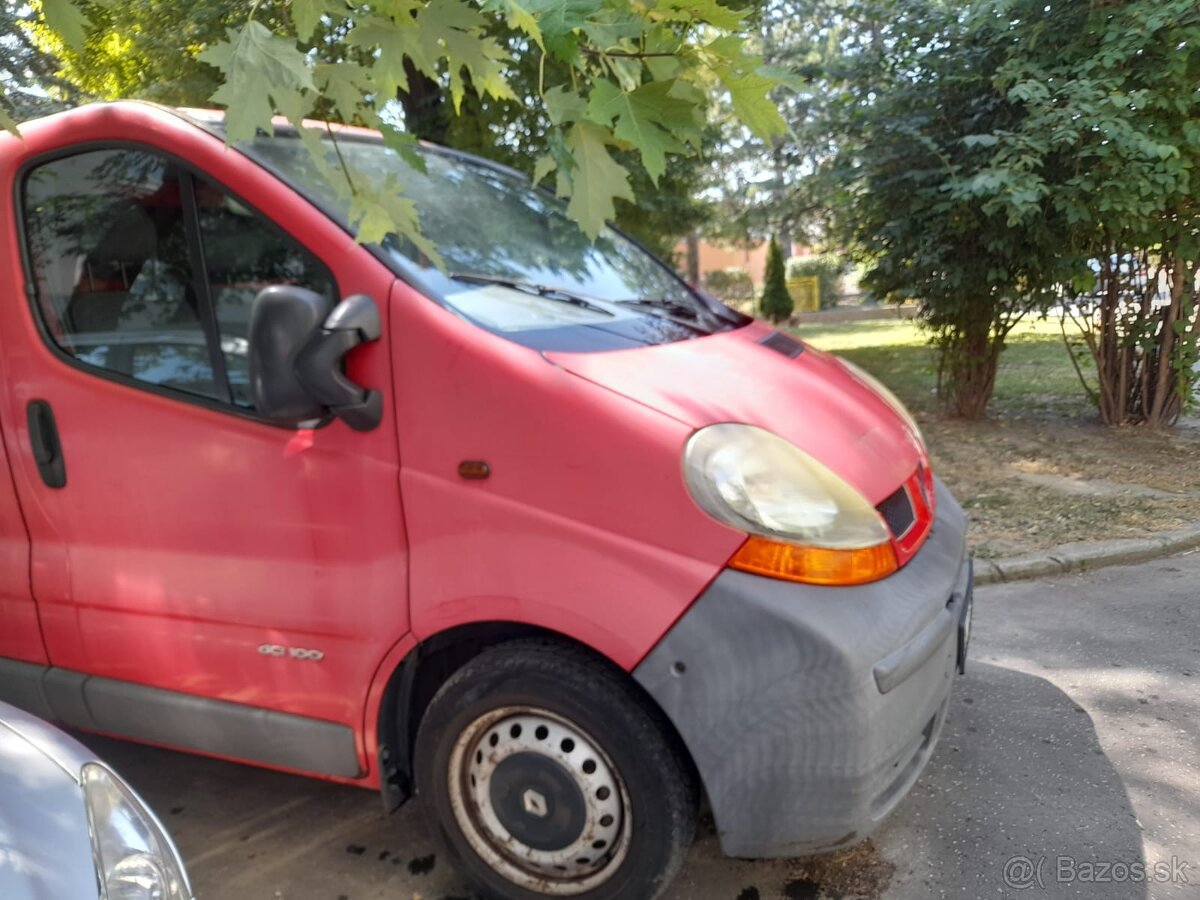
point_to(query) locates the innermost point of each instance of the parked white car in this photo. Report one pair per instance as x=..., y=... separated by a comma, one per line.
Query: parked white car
x=70, y=828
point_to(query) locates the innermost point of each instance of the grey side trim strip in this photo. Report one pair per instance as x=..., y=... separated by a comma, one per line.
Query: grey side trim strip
x=181, y=720
x=895, y=668
x=21, y=685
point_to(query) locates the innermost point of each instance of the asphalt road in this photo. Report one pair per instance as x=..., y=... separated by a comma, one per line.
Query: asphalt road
x=1069, y=767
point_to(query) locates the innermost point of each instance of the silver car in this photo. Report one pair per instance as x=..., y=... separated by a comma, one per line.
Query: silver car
x=70, y=829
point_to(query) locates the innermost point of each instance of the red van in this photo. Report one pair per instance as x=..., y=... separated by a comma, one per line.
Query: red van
x=511, y=520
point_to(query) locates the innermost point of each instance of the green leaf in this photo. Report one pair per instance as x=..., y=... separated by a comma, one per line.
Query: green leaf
x=307, y=14
x=596, y=180
x=385, y=210
x=395, y=42
x=649, y=118
x=404, y=144
x=564, y=165
x=66, y=19
x=980, y=140
x=458, y=29
x=543, y=167
x=518, y=17
x=609, y=27
x=628, y=72
x=731, y=47
x=785, y=77
x=749, y=93
x=558, y=20
x=259, y=67
x=709, y=11
x=564, y=105
x=8, y=123
x=345, y=85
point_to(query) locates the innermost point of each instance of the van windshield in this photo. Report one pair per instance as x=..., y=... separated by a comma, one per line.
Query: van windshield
x=513, y=261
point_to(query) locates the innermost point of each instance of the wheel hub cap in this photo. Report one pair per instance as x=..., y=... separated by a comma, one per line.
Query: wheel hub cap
x=539, y=800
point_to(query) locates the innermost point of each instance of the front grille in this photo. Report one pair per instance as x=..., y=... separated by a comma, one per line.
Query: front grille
x=898, y=512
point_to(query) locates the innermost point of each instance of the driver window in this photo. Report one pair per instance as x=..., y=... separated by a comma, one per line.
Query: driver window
x=111, y=267
x=108, y=242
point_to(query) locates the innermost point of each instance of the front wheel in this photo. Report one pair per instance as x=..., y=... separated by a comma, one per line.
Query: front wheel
x=548, y=776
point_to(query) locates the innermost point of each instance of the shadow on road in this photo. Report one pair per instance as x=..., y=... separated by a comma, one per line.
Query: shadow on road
x=1019, y=800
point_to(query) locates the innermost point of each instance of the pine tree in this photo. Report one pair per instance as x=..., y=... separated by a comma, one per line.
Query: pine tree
x=776, y=303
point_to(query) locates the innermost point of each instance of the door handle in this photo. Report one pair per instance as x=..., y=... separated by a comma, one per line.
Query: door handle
x=47, y=449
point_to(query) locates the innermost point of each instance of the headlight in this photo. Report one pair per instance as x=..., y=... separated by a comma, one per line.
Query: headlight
x=805, y=522
x=888, y=397
x=135, y=860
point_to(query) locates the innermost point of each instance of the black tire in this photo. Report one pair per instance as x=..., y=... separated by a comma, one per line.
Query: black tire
x=604, y=707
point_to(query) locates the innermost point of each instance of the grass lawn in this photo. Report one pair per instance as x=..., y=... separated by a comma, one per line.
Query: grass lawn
x=1040, y=471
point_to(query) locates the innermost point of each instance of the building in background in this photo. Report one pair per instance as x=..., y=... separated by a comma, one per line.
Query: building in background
x=717, y=257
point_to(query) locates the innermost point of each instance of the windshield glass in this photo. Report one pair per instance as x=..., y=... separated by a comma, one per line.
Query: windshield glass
x=488, y=224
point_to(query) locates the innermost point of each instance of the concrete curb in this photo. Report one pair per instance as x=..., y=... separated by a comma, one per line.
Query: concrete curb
x=1086, y=555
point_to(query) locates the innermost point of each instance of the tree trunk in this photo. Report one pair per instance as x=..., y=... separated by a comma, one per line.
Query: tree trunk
x=1143, y=355
x=693, y=259
x=426, y=111
x=785, y=230
x=970, y=357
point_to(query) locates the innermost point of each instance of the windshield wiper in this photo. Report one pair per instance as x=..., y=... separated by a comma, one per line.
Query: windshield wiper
x=529, y=287
x=686, y=314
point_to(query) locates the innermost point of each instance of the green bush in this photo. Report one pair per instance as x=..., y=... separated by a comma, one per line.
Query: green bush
x=828, y=269
x=776, y=303
x=731, y=285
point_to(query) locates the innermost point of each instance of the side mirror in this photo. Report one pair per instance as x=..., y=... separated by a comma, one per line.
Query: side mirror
x=297, y=346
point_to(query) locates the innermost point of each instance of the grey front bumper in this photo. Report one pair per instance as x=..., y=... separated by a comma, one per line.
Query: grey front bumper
x=810, y=711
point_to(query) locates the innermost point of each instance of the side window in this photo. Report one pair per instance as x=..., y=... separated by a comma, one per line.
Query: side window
x=115, y=271
x=113, y=277
x=244, y=253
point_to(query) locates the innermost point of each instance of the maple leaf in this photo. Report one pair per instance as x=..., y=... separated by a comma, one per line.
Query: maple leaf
x=258, y=67
x=609, y=27
x=404, y=144
x=543, y=167
x=395, y=42
x=383, y=210
x=344, y=84
x=649, y=118
x=558, y=20
x=709, y=11
x=458, y=29
x=563, y=105
x=518, y=17
x=749, y=93
x=596, y=180
x=306, y=14
x=66, y=19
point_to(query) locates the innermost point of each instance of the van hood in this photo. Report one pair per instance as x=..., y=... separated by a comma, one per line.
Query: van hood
x=758, y=376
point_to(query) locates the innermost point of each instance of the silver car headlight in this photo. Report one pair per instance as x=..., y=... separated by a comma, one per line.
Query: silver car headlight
x=135, y=860
x=804, y=521
x=756, y=481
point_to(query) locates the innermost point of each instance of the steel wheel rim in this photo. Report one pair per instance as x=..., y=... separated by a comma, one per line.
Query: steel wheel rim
x=498, y=737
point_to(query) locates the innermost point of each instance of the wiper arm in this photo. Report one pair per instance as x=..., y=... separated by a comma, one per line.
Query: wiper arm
x=529, y=287
x=694, y=317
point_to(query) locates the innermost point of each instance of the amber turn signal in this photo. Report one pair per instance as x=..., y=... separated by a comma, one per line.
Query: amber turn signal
x=814, y=565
